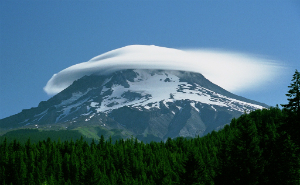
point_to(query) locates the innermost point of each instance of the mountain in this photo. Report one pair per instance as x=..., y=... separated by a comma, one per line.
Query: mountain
x=147, y=104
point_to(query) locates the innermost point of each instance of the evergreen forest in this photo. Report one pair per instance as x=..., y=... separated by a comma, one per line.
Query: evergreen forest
x=257, y=148
x=261, y=147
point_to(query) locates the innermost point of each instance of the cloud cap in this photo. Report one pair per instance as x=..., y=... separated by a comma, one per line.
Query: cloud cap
x=232, y=71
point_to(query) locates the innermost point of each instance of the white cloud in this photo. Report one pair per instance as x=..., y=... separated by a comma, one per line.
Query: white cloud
x=232, y=71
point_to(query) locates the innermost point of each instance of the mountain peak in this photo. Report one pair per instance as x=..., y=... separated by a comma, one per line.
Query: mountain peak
x=159, y=103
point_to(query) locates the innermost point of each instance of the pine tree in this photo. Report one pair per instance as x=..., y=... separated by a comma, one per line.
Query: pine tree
x=193, y=169
x=66, y=166
x=287, y=164
x=294, y=95
x=293, y=109
x=225, y=170
x=22, y=170
x=246, y=154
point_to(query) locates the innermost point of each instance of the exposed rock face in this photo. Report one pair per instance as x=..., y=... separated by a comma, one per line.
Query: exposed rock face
x=153, y=104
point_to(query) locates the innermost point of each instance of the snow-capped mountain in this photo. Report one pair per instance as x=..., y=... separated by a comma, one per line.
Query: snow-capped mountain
x=144, y=103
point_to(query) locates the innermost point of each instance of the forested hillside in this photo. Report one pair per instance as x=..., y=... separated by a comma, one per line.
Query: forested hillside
x=261, y=147
x=257, y=148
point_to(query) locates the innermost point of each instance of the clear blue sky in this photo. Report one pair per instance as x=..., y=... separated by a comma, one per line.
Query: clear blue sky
x=40, y=38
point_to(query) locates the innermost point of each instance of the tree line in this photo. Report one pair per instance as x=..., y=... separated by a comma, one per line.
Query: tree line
x=256, y=148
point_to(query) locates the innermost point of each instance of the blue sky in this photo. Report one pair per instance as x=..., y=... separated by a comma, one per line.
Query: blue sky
x=40, y=38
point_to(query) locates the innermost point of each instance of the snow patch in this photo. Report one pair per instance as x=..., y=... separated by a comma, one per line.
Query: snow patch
x=24, y=121
x=66, y=110
x=75, y=96
x=44, y=112
x=193, y=105
x=90, y=117
x=94, y=104
x=213, y=108
x=104, y=89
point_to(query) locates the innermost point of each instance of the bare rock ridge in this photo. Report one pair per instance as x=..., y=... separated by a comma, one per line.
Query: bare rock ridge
x=154, y=104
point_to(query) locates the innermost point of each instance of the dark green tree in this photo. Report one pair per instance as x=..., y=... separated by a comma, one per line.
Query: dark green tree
x=293, y=109
x=294, y=95
x=193, y=169
x=245, y=153
x=286, y=164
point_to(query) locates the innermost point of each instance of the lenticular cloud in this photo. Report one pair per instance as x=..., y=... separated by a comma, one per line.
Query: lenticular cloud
x=232, y=71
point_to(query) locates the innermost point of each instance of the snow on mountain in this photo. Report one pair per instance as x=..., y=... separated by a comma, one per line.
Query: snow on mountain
x=147, y=103
x=165, y=87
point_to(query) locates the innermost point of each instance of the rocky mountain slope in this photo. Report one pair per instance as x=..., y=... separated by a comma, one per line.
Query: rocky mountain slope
x=147, y=104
